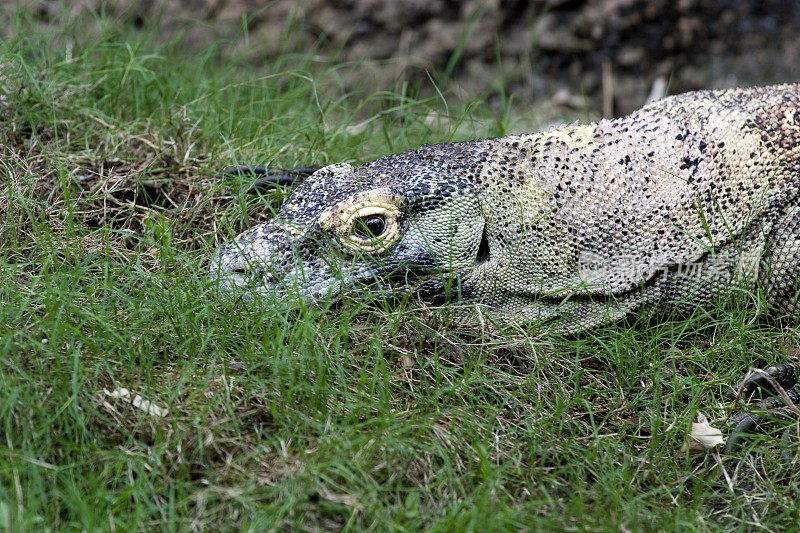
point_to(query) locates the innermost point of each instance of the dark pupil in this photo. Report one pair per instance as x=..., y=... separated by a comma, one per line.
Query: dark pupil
x=370, y=227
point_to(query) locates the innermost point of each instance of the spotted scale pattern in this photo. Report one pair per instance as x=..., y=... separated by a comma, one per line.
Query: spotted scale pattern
x=666, y=209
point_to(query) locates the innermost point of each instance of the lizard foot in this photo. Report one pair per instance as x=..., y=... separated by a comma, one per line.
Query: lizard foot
x=781, y=382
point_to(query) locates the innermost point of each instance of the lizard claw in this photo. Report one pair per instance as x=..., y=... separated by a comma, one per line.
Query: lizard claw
x=782, y=382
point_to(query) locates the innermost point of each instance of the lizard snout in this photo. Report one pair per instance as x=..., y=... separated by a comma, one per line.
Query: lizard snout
x=257, y=261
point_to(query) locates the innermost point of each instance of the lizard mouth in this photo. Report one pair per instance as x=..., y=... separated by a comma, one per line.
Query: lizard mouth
x=277, y=270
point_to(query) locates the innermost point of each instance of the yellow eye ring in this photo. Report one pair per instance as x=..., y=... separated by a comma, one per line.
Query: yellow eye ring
x=368, y=224
x=357, y=220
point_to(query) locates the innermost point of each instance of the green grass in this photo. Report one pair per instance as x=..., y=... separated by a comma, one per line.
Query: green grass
x=363, y=416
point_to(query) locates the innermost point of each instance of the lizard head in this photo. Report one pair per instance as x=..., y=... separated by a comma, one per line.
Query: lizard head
x=409, y=221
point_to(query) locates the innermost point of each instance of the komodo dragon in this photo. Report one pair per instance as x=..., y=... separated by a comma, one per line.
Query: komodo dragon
x=665, y=209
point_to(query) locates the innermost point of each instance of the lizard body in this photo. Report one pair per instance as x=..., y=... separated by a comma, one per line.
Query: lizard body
x=667, y=208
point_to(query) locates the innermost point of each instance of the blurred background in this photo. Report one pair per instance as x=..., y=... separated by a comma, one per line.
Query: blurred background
x=609, y=55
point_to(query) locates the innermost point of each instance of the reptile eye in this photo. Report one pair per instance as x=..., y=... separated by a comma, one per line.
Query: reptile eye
x=367, y=222
x=370, y=227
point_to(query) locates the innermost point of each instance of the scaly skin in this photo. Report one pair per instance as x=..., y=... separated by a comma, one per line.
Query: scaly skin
x=665, y=209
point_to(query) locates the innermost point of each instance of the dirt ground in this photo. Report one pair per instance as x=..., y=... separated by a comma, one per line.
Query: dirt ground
x=609, y=53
